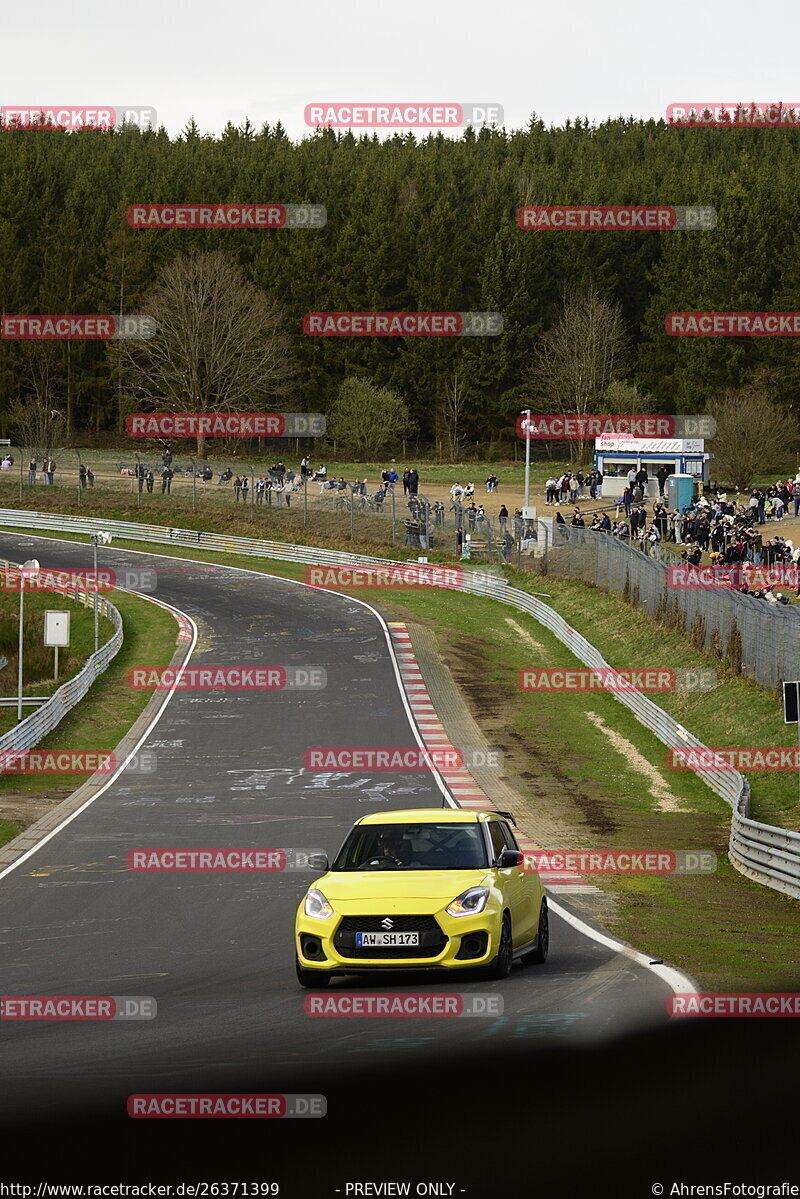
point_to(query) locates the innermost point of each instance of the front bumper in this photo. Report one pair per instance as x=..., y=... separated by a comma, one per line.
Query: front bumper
x=461, y=942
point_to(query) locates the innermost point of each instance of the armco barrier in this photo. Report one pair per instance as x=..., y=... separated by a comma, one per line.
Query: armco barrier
x=766, y=854
x=33, y=728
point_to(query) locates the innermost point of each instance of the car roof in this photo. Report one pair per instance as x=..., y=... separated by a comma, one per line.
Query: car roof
x=427, y=816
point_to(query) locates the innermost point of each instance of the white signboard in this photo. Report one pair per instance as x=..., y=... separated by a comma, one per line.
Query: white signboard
x=650, y=445
x=56, y=628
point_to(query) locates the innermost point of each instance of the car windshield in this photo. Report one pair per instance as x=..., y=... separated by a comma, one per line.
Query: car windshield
x=413, y=847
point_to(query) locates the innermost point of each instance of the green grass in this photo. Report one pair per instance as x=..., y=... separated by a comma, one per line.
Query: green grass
x=723, y=929
x=106, y=713
x=38, y=659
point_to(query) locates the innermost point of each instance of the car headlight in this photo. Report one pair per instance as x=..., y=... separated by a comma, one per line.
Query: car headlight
x=316, y=905
x=469, y=902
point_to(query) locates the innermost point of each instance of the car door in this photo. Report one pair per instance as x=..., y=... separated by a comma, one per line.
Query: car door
x=509, y=881
x=525, y=913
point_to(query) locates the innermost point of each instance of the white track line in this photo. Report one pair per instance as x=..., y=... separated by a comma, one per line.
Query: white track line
x=113, y=777
x=676, y=980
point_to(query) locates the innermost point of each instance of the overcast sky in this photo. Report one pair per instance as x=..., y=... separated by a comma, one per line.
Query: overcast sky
x=226, y=61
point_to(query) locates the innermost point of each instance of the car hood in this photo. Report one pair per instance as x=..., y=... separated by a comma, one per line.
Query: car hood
x=368, y=886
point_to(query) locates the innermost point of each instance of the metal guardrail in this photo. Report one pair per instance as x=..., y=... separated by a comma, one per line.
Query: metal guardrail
x=765, y=853
x=33, y=728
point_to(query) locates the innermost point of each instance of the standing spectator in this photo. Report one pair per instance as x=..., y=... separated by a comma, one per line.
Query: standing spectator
x=237, y=488
x=662, y=474
x=167, y=457
x=563, y=487
x=406, y=473
x=627, y=500
x=139, y=472
x=32, y=472
x=166, y=478
x=480, y=516
x=150, y=481
x=581, y=480
x=550, y=491
x=90, y=476
x=393, y=477
x=82, y=475
x=796, y=494
x=51, y=470
x=503, y=518
x=245, y=485
x=413, y=481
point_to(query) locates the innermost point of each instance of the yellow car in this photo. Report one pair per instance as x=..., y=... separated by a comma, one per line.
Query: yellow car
x=433, y=888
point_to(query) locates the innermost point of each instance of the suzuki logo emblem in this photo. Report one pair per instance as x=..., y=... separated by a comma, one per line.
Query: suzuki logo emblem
x=387, y=923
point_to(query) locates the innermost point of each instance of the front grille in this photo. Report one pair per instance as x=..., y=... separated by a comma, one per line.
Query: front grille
x=432, y=939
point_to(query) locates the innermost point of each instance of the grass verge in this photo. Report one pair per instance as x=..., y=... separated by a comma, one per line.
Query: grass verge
x=100, y=720
x=612, y=793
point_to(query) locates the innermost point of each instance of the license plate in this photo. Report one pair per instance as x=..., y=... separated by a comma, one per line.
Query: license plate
x=367, y=939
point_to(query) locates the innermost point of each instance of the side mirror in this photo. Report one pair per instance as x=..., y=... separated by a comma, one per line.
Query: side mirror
x=509, y=858
x=319, y=861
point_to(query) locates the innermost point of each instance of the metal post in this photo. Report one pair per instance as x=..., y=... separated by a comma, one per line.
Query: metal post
x=527, y=413
x=80, y=464
x=352, y=505
x=21, y=456
x=139, y=482
x=252, y=493
x=19, y=650
x=305, y=497
x=96, y=636
x=394, y=517
x=55, y=674
x=194, y=485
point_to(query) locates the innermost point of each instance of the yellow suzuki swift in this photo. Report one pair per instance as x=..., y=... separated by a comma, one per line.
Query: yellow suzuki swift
x=434, y=888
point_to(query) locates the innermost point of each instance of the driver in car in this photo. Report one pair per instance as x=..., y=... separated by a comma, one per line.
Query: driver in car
x=390, y=848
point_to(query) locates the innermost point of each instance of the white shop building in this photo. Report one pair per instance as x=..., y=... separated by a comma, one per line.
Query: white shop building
x=615, y=456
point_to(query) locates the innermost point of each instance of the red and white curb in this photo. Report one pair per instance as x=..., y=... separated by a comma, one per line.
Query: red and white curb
x=462, y=786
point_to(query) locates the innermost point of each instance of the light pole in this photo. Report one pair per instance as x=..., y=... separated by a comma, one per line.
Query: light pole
x=527, y=412
x=28, y=570
x=97, y=539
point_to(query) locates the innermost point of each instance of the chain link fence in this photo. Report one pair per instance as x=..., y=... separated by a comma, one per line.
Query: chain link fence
x=762, y=638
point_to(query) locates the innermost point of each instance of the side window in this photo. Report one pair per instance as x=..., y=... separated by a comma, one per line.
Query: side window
x=511, y=840
x=498, y=840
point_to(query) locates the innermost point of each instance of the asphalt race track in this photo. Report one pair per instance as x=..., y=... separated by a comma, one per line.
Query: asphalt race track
x=216, y=950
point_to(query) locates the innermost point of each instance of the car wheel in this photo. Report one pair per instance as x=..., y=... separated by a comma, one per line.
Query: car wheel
x=539, y=954
x=505, y=951
x=316, y=980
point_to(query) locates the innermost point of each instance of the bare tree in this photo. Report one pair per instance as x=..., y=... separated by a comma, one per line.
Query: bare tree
x=451, y=412
x=368, y=418
x=751, y=433
x=578, y=358
x=37, y=420
x=219, y=346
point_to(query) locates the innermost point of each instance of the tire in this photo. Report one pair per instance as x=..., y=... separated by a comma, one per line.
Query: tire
x=539, y=954
x=315, y=980
x=505, y=951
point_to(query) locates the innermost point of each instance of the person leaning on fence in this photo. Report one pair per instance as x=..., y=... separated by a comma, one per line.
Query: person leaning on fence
x=577, y=521
x=167, y=476
x=82, y=475
x=150, y=481
x=140, y=473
